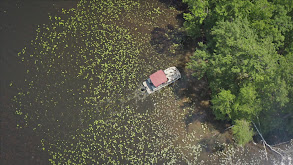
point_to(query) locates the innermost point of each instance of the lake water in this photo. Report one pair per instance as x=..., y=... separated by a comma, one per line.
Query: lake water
x=69, y=81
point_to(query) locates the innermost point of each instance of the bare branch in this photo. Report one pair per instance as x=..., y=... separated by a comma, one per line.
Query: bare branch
x=264, y=141
x=229, y=127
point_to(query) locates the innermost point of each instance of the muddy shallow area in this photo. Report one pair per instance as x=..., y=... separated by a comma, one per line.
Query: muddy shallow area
x=69, y=80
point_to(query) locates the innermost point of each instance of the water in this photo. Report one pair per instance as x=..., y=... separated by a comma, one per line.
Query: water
x=75, y=88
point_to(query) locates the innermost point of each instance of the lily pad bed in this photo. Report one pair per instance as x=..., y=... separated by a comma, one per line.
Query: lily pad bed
x=82, y=71
x=79, y=93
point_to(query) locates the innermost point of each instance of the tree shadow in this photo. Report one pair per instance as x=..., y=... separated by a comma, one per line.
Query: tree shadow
x=168, y=40
x=211, y=145
x=178, y=5
x=195, y=93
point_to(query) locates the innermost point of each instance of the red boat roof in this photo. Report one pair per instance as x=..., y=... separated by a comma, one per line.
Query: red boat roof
x=158, y=78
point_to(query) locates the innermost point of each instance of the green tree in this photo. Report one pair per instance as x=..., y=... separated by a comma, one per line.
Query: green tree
x=199, y=63
x=247, y=58
x=222, y=104
x=243, y=64
x=242, y=132
x=247, y=105
x=245, y=72
x=194, y=19
x=269, y=18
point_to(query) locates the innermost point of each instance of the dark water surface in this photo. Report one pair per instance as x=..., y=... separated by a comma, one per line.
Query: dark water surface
x=19, y=21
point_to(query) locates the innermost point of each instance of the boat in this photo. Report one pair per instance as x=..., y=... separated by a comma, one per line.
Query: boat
x=161, y=79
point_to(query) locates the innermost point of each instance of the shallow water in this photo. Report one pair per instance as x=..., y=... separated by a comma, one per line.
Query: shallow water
x=64, y=93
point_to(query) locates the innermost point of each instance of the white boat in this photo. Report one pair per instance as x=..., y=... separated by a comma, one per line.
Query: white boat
x=161, y=79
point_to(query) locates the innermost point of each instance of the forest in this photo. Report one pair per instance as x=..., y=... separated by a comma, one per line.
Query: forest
x=245, y=50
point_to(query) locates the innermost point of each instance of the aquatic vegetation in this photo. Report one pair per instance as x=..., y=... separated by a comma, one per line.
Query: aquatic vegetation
x=82, y=70
x=85, y=56
x=81, y=73
x=122, y=138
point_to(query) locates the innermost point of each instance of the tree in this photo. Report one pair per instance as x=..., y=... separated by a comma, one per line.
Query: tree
x=243, y=64
x=247, y=58
x=247, y=105
x=194, y=19
x=269, y=18
x=199, y=63
x=222, y=104
x=242, y=132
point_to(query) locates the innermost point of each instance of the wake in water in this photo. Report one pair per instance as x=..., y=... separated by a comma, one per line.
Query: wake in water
x=140, y=94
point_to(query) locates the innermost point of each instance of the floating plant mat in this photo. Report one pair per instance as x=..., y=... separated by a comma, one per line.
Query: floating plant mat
x=85, y=57
x=121, y=138
x=81, y=74
x=77, y=68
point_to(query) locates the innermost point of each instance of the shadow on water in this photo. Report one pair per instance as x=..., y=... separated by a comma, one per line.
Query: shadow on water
x=190, y=90
x=174, y=42
x=194, y=92
x=211, y=145
x=178, y=5
x=167, y=40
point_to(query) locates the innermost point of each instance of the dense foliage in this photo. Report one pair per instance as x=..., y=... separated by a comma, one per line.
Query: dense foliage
x=247, y=59
x=242, y=132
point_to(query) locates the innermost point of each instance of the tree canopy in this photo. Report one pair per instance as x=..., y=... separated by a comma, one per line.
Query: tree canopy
x=247, y=58
x=242, y=132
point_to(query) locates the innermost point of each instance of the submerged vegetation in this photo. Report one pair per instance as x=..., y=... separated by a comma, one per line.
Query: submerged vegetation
x=117, y=138
x=82, y=71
